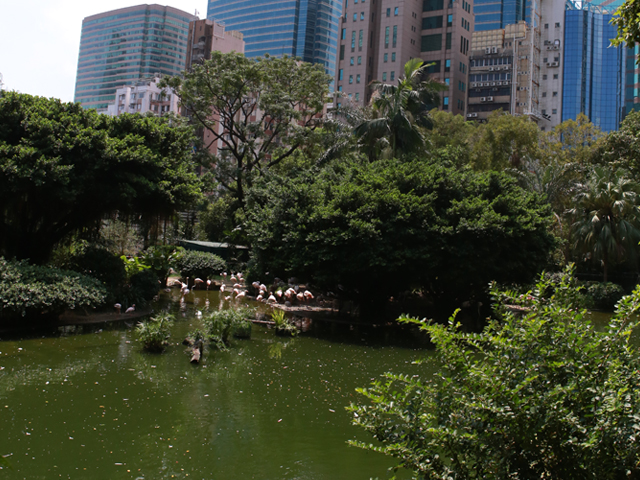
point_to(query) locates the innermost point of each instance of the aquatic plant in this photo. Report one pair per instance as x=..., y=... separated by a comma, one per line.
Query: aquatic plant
x=220, y=325
x=283, y=327
x=155, y=333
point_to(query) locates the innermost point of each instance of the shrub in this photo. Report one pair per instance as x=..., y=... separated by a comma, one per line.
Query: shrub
x=194, y=264
x=220, y=325
x=160, y=259
x=155, y=333
x=103, y=265
x=29, y=290
x=538, y=394
x=143, y=286
x=604, y=295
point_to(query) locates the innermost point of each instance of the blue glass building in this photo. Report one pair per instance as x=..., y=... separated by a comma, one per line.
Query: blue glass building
x=496, y=14
x=129, y=44
x=593, y=71
x=307, y=29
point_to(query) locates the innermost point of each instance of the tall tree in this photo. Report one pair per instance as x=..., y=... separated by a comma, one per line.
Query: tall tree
x=398, y=111
x=259, y=111
x=575, y=141
x=621, y=149
x=63, y=168
x=606, y=218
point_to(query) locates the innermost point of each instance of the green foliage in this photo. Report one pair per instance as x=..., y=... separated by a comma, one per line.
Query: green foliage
x=155, y=332
x=627, y=19
x=143, y=286
x=265, y=108
x=621, y=149
x=217, y=221
x=220, y=325
x=283, y=326
x=194, y=264
x=573, y=141
x=34, y=291
x=63, y=167
x=384, y=227
x=606, y=218
x=133, y=265
x=539, y=394
x=99, y=263
x=160, y=259
x=604, y=295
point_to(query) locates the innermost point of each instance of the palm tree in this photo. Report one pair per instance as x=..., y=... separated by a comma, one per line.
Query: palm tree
x=398, y=110
x=606, y=217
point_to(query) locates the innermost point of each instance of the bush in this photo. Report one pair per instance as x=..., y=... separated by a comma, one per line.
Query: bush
x=194, y=264
x=604, y=295
x=539, y=394
x=283, y=327
x=155, y=333
x=103, y=265
x=29, y=290
x=160, y=259
x=222, y=324
x=143, y=286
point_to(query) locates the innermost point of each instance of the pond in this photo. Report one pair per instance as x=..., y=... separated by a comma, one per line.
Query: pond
x=91, y=404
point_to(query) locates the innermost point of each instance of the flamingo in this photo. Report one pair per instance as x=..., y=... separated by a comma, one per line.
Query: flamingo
x=256, y=285
x=197, y=282
x=300, y=296
x=308, y=295
x=271, y=299
x=208, y=284
x=131, y=309
x=259, y=298
x=233, y=278
x=118, y=307
x=241, y=295
x=222, y=287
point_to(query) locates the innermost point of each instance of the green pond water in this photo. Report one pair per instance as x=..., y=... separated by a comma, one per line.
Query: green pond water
x=87, y=402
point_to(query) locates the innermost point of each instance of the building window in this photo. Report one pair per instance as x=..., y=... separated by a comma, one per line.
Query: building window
x=545, y=60
x=446, y=81
x=557, y=24
x=361, y=16
x=341, y=52
x=355, y=17
x=556, y=59
x=340, y=74
x=360, y=40
x=450, y=20
x=431, y=5
x=431, y=22
x=350, y=79
x=353, y=41
x=351, y=62
x=388, y=12
x=447, y=65
x=544, y=77
x=384, y=76
x=392, y=75
x=445, y=103
x=395, y=12
x=555, y=76
x=386, y=57
x=544, y=94
x=393, y=56
x=344, y=33
x=431, y=43
x=358, y=78
x=395, y=36
x=339, y=88
x=357, y=97
x=359, y=60
x=386, y=37
x=555, y=94
x=448, y=41
x=554, y=111
x=544, y=112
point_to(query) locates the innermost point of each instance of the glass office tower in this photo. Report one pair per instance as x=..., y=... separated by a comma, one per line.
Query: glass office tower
x=307, y=29
x=129, y=44
x=497, y=14
x=593, y=71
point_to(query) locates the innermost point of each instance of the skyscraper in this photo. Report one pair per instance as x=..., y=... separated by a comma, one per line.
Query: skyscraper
x=307, y=29
x=378, y=38
x=593, y=71
x=496, y=14
x=129, y=44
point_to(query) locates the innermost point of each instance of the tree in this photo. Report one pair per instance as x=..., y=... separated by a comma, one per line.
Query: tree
x=398, y=110
x=627, y=19
x=606, y=217
x=572, y=141
x=63, y=168
x=505, y=141
x=621, y=148
x=379, y=228
x=259, y=110
x=538, y=394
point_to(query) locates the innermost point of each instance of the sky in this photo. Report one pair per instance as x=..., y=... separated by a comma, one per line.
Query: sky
x=40, y=40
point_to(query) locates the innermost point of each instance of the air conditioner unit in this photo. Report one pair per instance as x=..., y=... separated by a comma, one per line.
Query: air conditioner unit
x=473, y=85
x=521, y=88
x=550, y=48
x=493, y=84
x=469, y=115
x=505, y=83
x=494, y=50
x=499, y=83
x=483, y=99
x=487, y=50
x=547, y=42
x=556, y=47
x=491, y=69
x=474, y=114
x=489, y=99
